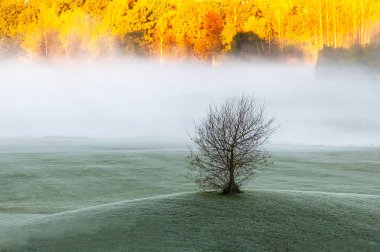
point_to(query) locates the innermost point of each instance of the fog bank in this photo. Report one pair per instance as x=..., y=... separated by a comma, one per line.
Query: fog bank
x=134, y=98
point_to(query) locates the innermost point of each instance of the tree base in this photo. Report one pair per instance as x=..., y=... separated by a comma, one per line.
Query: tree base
x=231, y=188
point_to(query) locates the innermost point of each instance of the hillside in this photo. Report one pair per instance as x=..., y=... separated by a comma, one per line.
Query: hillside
x=256, y=220
x=98, y=195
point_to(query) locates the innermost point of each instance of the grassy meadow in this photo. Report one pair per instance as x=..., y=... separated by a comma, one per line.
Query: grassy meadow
x=62, y=194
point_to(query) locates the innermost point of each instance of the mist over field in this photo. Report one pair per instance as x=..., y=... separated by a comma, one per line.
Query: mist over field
x=136, y=98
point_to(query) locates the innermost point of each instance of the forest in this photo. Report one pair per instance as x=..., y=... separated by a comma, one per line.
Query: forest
x=208, y=30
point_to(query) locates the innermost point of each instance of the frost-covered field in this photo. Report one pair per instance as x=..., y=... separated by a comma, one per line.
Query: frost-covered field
x=90, y=194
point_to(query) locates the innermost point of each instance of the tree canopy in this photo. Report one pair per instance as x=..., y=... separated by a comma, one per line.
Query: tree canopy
x=184, y=28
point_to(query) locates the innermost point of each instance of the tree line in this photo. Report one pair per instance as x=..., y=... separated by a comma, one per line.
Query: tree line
x=182, y=29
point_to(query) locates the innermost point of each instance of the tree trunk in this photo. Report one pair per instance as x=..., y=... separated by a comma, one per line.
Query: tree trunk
x=231, y=187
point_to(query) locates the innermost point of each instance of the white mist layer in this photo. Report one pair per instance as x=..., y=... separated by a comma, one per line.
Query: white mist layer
x=134, y=98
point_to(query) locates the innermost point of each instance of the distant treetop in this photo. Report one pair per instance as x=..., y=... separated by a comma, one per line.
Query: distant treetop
x=204, y=30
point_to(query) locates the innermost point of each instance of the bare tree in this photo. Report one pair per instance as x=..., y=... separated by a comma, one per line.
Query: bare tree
x=230, y=145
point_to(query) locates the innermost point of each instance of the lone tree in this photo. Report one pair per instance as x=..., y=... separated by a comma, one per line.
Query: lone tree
x=230, y=145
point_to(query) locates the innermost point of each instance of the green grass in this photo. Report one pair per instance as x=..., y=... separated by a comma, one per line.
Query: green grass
x=60, y=194
x=256, y=220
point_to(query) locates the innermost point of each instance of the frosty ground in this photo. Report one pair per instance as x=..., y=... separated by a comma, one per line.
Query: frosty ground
x=62, y=194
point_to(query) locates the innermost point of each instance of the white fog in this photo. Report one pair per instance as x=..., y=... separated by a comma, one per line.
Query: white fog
x=134, y=98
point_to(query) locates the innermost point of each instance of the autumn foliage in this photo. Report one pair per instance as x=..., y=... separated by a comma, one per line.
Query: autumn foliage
x=182, y=29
